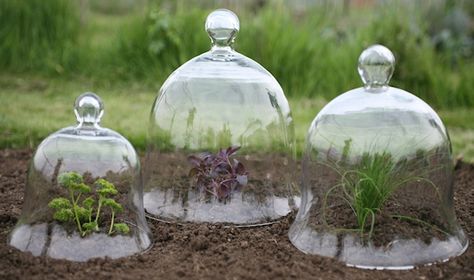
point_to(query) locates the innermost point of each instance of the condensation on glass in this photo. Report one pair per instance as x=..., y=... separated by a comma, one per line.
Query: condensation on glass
x=221, y=139
x=378, y=177
x=48, y=225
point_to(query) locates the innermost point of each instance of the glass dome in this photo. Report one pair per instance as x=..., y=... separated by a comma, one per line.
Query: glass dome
x=83, y=197
x=221, y=143
x=378, y=177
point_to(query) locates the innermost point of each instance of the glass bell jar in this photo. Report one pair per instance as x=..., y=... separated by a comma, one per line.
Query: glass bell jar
x=378, y=177
x=83, y=197
x=221, y=139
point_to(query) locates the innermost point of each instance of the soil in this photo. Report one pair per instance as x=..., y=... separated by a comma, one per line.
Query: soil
x=168, y=173
x=211, y=251
x=414, y=210
x=396, y=220
x=265, y=177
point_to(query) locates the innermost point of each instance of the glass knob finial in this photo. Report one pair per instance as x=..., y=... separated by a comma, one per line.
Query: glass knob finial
x=376, y=66
x=222, y=25
x=88, y=108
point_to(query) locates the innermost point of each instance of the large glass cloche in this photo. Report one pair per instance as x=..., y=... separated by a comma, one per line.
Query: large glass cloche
x=378, y=177
x=221, y=144
x=83, y=197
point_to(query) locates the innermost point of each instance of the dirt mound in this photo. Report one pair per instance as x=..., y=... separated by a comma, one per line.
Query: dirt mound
x=211, y=251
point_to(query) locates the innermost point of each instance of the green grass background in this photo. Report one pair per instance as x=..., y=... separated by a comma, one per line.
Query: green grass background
x=53, y=50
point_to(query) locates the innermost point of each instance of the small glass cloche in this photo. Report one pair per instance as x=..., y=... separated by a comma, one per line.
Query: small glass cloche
x=83, y=197
x=221, y=139
x=378, y=177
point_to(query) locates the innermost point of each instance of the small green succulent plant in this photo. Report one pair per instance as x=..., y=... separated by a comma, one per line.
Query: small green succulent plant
x=86, y=213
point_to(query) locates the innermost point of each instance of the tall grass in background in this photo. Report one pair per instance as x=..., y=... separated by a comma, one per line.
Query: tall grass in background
x=315, y=53
x=38, y=35
x=312, y=52
x=440, y=77
x=309, y=56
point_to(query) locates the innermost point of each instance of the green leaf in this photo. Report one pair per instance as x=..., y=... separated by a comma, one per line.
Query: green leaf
x=59, y=203
x=113, y=204
x=82, y=188
x=67, y=179
x=103, y=184
x=88, y=202
x=105, y=188
x=63, y=215
x=91, y=226
x=82, y=213
x=121, y=228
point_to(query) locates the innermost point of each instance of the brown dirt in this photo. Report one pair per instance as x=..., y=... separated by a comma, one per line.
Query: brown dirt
x=211, y=251
x=265, y=177
x=388, y=225
x=406, y=214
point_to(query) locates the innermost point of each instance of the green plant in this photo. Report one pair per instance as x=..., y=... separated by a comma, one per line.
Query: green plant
x=73, y=210
x=367, y=187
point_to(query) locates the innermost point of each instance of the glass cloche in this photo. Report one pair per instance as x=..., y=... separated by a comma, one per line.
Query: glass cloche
x=221, y=139
x=83, y=197
x=378, y=177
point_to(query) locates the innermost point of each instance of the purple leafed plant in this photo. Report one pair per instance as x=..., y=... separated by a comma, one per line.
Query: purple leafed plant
x=218, y=174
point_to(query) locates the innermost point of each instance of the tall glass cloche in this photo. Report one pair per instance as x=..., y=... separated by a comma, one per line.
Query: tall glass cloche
x=221, y=143
x=83, y=197
x=378, y=177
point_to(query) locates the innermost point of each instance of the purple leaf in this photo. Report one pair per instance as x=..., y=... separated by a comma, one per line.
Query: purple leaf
x=194, y=160
x=223, y=191
x=206, y=156
x=218, y=174
x=232, y=150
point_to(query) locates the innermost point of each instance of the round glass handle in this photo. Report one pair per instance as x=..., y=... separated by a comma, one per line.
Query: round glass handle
x=89, y=109
x=222, y=26
x=376, y=66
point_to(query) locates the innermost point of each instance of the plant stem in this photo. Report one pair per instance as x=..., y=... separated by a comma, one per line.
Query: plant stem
x=77, y=199
x=372, y=224
x=75, y=212
x=112, y=222
x=98, y=210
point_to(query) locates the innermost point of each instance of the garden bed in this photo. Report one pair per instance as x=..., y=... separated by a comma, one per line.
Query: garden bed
x=211, y=251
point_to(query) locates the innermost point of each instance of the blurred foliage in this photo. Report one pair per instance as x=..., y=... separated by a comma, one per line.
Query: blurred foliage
x=114, y=7
x=38, y=35
x=312, y=51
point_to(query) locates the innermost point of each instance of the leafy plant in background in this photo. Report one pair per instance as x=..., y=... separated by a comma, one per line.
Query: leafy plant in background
x=367, y=187
x=82, y=213
x=218, y=174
